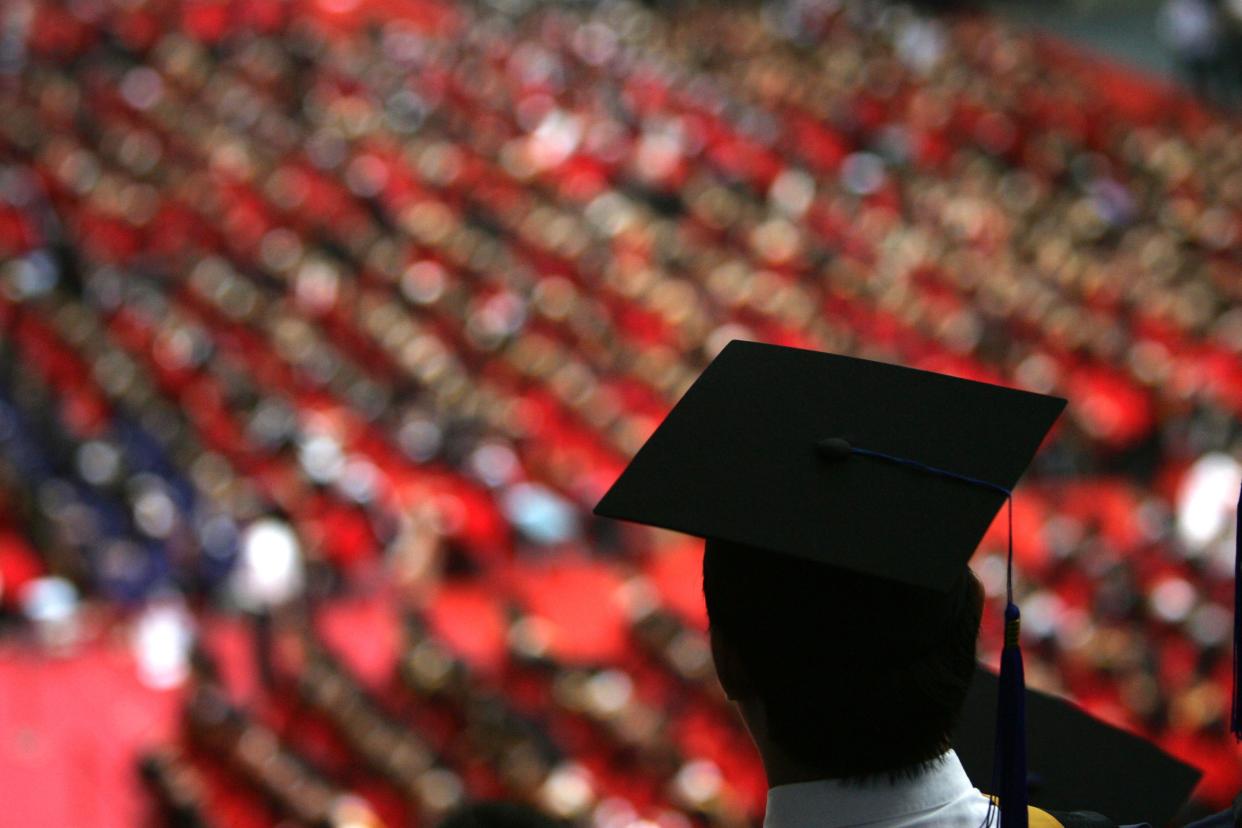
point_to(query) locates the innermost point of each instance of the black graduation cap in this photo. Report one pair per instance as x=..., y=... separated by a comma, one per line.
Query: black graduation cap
x=761, y=451
x=874, y=468
x=1074, y=760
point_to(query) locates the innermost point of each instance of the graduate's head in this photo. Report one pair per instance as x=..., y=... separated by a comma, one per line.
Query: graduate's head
x=844, y=498
x=844, y=675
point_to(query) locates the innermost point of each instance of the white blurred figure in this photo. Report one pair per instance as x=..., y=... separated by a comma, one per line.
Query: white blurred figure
x=540, y=514
x=270, y=570
x=1192, y=31
x=920, y=44
x=52, y=606
x=161, y=639
x=1207, y=509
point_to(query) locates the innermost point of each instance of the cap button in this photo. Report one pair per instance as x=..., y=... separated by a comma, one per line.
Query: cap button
x=833, y=448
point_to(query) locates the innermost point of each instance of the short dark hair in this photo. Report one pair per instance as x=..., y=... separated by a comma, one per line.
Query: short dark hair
x=858, y=676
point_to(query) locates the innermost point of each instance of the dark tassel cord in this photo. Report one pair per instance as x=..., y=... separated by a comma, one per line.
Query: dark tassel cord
x=1009, y=759
x=1011, y=709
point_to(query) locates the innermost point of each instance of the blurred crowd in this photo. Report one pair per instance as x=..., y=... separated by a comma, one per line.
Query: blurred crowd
x=304, y=299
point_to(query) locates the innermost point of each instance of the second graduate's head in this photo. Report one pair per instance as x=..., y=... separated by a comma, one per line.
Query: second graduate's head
x=838, y=674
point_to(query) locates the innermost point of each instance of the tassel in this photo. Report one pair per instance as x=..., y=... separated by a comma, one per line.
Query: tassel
x=1011, y=727
x=1235, y=718
x=1009, y=762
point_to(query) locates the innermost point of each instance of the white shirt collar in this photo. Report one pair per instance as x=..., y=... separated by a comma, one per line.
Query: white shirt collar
x=831, y=803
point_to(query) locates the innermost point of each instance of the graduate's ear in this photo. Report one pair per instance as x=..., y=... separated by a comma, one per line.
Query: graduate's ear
x=729, y=669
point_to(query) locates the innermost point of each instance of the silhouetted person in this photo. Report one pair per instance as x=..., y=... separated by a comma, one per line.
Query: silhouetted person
x=840, y=500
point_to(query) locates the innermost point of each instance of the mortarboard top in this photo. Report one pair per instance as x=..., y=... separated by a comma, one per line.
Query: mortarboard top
x=1075, y=761
x=741, y=458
